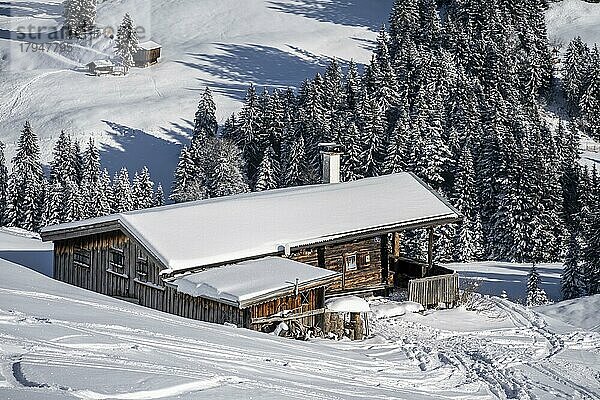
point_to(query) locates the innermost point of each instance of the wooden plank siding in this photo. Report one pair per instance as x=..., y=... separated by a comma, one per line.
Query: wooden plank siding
x=371, y=274
x=434, y=290
x=139, y=281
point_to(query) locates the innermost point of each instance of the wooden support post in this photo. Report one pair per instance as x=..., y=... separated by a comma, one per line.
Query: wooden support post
x=396, y=244
x=429, y=250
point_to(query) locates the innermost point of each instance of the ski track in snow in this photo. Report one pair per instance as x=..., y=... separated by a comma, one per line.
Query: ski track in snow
x=524, y=360
x=498, y=358
x=6, y=110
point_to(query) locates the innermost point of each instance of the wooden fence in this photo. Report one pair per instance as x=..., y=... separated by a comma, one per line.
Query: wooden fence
x=434, y=290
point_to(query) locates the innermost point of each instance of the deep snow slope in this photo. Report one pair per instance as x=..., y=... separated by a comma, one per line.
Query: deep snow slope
x=62, y=342
x=58, y=341
x=142, y=118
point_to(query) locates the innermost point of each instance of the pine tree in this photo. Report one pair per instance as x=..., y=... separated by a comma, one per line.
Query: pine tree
x=227, y=178
x=205, y=121
x=268, y=172
x=26, y=187
x=127, y=42
x=572, y=278
x=80, y=17
x=591, y=253
x=159, y=196
x=122, y=193
x=536, y=296
x=295, y=174
x=142, y=190
x=3, y=188
x=186, y=186
x=372, y=137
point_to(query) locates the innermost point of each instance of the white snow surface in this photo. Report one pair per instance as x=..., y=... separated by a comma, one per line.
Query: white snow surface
x=582, y=313
x=227, y=229
x=248, y=280
x=61, y=342
x=395, y=309
x=349, y=303
x=16, y=239
x=567, y=19
x=144, y=117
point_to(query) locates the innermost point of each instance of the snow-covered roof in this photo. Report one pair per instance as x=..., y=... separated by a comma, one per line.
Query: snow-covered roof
x=102, y=63
x=228, y=229
x=149, y=45
x=247, y=282
x=347, y=304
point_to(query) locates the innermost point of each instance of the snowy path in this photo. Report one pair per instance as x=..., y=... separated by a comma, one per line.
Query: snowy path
x=525, y=359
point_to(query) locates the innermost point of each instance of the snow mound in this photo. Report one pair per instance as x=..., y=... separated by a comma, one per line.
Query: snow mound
x=394, y=309
x=347, y=304
x=580, y=313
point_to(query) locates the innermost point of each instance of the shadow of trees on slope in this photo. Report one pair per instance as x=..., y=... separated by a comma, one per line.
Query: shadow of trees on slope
x=136, y=148
x=368, y=13
x=262, y=65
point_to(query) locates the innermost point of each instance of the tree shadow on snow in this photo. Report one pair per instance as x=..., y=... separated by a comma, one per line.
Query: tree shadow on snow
x=24, y=9
x=136, y=148
x=262, y=65
x=371, y=13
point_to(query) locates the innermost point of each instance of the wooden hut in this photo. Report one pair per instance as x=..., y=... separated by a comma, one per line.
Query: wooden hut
x=340, y=227
x=101, y=67
x=148, y=54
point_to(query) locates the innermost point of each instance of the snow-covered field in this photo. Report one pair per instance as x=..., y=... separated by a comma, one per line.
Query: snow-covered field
x=62, y=342
x=142, y=118
x=567, y=19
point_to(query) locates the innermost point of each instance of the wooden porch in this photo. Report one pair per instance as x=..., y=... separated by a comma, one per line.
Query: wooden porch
x=426, y=282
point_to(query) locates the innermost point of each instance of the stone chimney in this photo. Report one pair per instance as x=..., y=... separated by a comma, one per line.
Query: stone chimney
x=331, y=153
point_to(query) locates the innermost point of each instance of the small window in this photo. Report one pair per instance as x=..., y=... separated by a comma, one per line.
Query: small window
x=351, y=262
x=141, y=269
x=305, y=298
x=81, y=258
x=117, y=260
x=366, y=260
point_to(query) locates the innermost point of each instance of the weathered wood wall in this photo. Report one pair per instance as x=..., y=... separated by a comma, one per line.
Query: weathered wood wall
x=139, y=281
x=368, y=274
x=434, y=290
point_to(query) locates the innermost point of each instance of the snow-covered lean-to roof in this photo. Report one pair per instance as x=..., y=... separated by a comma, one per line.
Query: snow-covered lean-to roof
x=248, y=282
x=229, y=229
x=149, y=45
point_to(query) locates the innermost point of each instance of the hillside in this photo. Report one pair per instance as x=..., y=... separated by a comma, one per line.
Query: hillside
x=143, y=117
x=62, y=342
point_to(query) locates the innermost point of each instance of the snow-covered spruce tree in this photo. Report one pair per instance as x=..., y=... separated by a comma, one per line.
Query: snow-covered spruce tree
x=247, y=137
x=159, y=196
x=591, y=253
x=295, y=174
x=227, y=177
x=72, y=209
x=3, y=187
x=186, y=186
x=127, y=43
x=142, y=189
x=351, y=167
x=467, y=239
x=268, y=172
x=536, y=296
x=79, y=17
x=26, y=186
x=122, y=193
x=95, y=199
x=576, y=65
x=372, y=137
x=205, y=120
x=572, y=278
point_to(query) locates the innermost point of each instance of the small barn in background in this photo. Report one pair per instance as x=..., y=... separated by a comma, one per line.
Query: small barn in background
x=148, y=54
x=101, y=67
